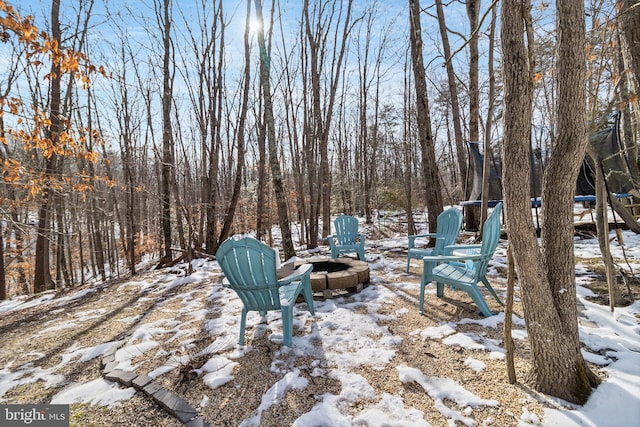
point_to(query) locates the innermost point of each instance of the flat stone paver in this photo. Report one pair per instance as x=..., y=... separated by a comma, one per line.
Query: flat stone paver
x=123, y=377
x=141, y=381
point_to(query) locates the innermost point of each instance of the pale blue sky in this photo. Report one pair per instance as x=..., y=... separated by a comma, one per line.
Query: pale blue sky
x=134, y=15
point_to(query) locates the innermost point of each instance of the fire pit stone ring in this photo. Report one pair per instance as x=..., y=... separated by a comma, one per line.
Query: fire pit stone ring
x=333, y=273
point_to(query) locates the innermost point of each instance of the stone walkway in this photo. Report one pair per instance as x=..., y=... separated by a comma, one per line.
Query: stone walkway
x=170, y=401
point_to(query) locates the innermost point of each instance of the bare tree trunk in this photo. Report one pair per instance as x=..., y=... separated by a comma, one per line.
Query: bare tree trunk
x=453, y=98
x=208, y=141
x=429, y=166
x=128, y=168
x=486, y=171
x=406, y=142
x=233, y=203
x=164, y=21
x=179, y=205
x=315, y=136
x=42, y=278
x=295, y=142
x=262, y=218
x=13, y=223
x=602, y=227
x=473, y=214
x=473, y=12
x=322, y=116
x=508, y=318
x=369, y=74
x=276, y=175
x=546, y=274
x=3, y=275
x=62, y=273
x=261, y=199
x=629, y=30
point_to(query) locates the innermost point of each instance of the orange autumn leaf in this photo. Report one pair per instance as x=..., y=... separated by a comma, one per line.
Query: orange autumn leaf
x=70, y=63
x=12, y=170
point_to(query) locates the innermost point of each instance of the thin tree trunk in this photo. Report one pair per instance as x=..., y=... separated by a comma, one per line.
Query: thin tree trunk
x=314, y=129
x=629, y=31
x=602, y=228
x=244, y=106
x=3, y=275
x=215, y=113
x=486, y=171
x=322, y=117
x=473, y=12
x=42, y=277
x=276, y=175
x=167, y=133
x=429, y=166
x=261, y=202
x=453, y=97
x=508, y=314
x=294, y=144
x=407, y=148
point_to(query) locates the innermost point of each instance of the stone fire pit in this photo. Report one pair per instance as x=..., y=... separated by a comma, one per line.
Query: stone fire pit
x=334, y=273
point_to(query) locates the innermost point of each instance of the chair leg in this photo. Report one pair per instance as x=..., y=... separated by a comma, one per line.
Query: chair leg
x=425, y=278
x=427, y=268
x=491, y=290
x=243, y=324
x=477, y=297
x=439, y=289
x=408, y=262
x=361, y=254
x=287, y=324
x=421, y=308
x=308, y=295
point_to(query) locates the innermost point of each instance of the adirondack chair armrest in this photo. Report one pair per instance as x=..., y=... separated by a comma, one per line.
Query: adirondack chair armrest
x=450, y=249
x=413, y=237
x=452, y=258
x=298, y=274
x=227, y=284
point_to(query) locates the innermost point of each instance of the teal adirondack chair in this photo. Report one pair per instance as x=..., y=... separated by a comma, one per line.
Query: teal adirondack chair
x=466, y=270
x=448, y=228
x=249, y=266
x=346, y=238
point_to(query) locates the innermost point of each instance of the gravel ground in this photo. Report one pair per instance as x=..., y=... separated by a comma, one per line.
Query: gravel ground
x=30, y=337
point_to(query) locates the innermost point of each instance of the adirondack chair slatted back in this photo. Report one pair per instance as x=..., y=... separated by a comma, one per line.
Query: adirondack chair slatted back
x=490, y=238
x=346, y=237
x=250, y=267
x=346, y=229
x=447, y=230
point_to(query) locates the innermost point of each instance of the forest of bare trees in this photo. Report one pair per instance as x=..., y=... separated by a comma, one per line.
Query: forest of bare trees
x=148, y=134
x=153, y=132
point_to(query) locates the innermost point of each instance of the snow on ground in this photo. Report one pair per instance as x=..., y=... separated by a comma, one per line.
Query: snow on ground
x=350, y=339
